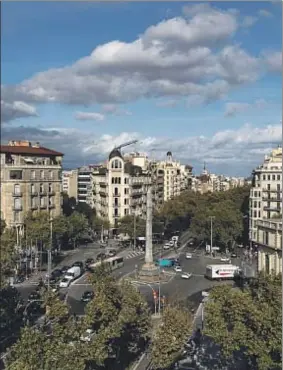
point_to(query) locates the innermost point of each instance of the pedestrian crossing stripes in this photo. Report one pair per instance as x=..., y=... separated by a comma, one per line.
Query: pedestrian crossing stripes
x=134, y=254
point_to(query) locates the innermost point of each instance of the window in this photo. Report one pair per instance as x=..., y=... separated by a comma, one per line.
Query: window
x=32, y=174
x=259, y=204
x=126, y=191
x=278, y=177
x=32, y=188
x=258, y=214
x=263, y=177
x=17, y=189
x=50, y=188
x=267, y=263
x=42, y=174
x=126, y=202
x=42, y=201
x=126, y=181
x=255, y=194
x=18, y=204
x=16, y=217
x=119, y=180
x=273, y=177
x=16, y=175
x=41, y=188
x=268, y=177
x=51, y=174
x=126, y=212
x=255, y=204
x=255, y=214
x=115, y=202
x=278, y=187
x=116, y=164
x=268, y=186
x=116, y=191
x=113, y=180
x=50, y=201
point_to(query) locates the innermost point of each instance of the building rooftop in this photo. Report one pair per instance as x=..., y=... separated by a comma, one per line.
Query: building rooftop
x=115, y=153
x=28, y=149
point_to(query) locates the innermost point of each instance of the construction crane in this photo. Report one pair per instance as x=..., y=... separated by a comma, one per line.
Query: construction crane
x=119, y=147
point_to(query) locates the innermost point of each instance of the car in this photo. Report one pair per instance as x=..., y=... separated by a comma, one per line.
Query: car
x=188, y=256
x=166, y=246
x=101, y=256
x=79, y=264
x=112, y=253
x=34, y=296
x=186, y=275
x=87, y=296
x=89, y=333
x=64, y=269
x=178, y=269
x=171, y=243
x=225, y=259
x=89, y=261
x=233, y=255
x=64, y=283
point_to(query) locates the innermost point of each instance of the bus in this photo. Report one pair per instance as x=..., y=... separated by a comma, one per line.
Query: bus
x=113, y=263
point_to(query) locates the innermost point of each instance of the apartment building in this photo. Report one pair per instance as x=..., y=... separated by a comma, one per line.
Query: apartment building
x=266, y=211
x=70, y=183
x=84, y=184
x=119, y=189
x=30, y=181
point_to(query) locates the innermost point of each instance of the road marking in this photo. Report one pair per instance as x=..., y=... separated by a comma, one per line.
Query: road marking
x=81, y=284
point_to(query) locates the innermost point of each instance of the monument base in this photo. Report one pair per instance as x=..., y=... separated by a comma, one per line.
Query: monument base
x=149, y=269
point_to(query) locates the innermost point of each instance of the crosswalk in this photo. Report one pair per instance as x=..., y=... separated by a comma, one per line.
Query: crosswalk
x=133, y=254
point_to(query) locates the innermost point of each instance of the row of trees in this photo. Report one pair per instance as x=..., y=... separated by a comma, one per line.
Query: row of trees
x=192, y=211
x=118, y=316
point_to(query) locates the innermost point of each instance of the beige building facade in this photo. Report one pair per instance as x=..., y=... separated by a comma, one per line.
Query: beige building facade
x=119, y=189
x=30, y=181
x=269, y=241
x=70, y=183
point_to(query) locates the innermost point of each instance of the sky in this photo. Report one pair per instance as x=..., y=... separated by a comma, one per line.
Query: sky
x=202, y=80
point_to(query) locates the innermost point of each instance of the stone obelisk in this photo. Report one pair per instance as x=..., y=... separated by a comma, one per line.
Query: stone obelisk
x=149, y=268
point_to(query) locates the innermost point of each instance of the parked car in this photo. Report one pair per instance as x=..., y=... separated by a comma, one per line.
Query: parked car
x=89, y=261
x=225, y=259
x=112, y=253
x=87, y=296
x=166, y=246
x=101, y=256
x=178, y=269
x=64, y=283
x=186, y=275
x=171, y=243
x=79, y=264
x=34, y=296
x=64, y=269
x=188, y=256
x=233, y=255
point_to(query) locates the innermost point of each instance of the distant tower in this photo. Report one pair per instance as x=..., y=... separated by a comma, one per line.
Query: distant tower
x=169, y=156
x=204, y=172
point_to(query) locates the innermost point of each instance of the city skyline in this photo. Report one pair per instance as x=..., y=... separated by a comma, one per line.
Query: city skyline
x=155, y=73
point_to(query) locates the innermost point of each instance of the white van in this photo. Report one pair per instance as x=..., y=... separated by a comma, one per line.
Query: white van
x=73, y=273
x=175, y=238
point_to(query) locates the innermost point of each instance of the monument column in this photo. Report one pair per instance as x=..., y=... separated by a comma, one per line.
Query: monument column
x=148, y=249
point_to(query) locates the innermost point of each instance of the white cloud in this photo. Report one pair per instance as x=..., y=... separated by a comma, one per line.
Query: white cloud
x=233, y=108
x=115, y=110
x=191, y=56
x=249, y=21
x=89, y=116
x=273, y=60
x=16, y=109
x=170, y=103
x=264, y=13
x=243, y=147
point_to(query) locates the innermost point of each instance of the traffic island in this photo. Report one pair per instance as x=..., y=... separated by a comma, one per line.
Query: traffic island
x=139, y=277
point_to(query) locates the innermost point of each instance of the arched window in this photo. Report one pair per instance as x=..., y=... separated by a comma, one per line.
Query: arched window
x=116, y=164
x=17, y=189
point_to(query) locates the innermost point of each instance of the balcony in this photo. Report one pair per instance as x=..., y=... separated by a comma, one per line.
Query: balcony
x=43, y=206
x=103, y=194
x=51, y=192
x=271, y=208
x=115, y=215
x=34, y=193
x=34, y=207
x=51, y=206
x=17, y=208
x=272, y=191
x=267, y=199
x=17, y=194
x=116, y=205
x=42, y=192
x=116, y=194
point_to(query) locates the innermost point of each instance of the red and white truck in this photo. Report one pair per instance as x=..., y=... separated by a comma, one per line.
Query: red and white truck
x=221, y=272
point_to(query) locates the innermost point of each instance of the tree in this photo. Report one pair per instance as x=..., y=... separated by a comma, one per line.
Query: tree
x=86, y=210
x=77, y=227
x=170, y=337
x=8, y=242
x=2, y=226
x=37, y=227
x=247, y=322
x=128, y=224
x=69, y=205
x=61, y=230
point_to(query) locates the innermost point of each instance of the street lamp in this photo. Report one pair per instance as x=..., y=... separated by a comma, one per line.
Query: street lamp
x=49, y=260
x=211, y=232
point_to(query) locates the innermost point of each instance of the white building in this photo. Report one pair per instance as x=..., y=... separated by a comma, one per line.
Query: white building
x=84, y=183
x=266, y=212
x=119, y=189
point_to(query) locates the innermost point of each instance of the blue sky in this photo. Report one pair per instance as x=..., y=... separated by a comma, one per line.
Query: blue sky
x=201, y=80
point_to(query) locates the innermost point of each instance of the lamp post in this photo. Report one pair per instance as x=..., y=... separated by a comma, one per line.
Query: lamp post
x=211, y=233
x=49, y=256
x=135, y=230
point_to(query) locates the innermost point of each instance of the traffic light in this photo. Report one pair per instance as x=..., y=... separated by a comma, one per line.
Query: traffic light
x=154, y=295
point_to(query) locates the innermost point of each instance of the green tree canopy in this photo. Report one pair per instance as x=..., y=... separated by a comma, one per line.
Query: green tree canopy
x=37, y=227
x=170, y=337
x=127, y=225
x=248, y=321
x=77, y=226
